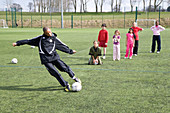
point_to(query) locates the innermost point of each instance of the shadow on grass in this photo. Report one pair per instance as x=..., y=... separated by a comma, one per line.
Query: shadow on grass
x=26, y=88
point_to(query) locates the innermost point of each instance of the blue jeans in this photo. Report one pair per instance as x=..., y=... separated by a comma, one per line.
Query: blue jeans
x=158, y=39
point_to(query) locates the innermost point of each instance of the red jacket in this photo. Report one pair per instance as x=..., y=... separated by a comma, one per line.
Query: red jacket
x=136, y=30
x=103, y=36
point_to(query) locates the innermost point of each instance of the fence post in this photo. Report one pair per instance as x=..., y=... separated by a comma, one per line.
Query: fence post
x=21, y=19
x=6, y=17
x=102, y=18
x=136, y=14
x=15, y=18
x=124, y=17
x=71, y=21
x=113, y=20
x=159, y=13
x=31, y=21
x=81, y=21
x=41, y=20
x=51, y=21
x=12, y=16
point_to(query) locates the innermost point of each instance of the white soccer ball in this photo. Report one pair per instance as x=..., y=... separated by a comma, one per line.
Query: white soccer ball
x=95, y=63
x=76, y=86
x=32, y=46
x=14, y=61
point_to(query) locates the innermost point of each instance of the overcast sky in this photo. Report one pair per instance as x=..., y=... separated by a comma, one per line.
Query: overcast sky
x=90, y=6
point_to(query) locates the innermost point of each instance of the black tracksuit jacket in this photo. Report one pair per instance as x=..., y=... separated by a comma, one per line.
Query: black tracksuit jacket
x=47, y=47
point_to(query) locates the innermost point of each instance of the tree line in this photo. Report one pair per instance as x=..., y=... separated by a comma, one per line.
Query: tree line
x=72, y=5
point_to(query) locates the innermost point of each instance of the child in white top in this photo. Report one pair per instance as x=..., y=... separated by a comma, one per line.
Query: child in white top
x=116, y=45
x=156, y=37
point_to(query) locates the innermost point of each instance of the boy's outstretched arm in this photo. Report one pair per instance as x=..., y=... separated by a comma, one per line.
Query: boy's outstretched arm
x=33, y=42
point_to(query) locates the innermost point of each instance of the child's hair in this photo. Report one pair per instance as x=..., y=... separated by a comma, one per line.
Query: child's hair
x=130, y=29
x=103, y=25
x=117, y=31
x=95, y=41
x=132, y=32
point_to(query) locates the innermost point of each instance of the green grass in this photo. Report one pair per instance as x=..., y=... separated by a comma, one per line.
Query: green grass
x=140, y=85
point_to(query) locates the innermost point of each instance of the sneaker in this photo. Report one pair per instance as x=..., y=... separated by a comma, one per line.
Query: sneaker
x=125, y=57
x=67, y=88
x=130, y=57
x=104, y=57
x=151, y=52
x=77, y=80
x=135, y=55
x=158, y=52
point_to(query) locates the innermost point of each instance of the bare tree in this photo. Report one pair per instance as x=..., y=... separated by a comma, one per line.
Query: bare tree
x=16, y=6
x=38, y=4
x=30, y=6
x=157, y=3
x=101, y=5
x=34, y=4
x=120, y=2
x=96, y=4
x=111, y=4
x=132, y=3
x=83, y=5
x=143, y=5
x=8, y=4
x=149, y=5
x=41, y=3
x=74, y=5
x=116, y=6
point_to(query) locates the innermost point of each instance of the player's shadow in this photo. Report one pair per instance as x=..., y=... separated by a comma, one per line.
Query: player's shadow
x=26, y=88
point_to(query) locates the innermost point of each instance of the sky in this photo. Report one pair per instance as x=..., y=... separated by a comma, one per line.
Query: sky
x=90, y=5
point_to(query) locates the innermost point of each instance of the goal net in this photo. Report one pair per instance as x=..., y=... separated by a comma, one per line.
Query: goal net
x=146, y=23
x=3, y=23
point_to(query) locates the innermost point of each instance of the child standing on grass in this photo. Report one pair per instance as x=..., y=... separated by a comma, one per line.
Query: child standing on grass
x=103, y=38
x=95, y=53
x=156, y=37
x=130, y=38
x=116, y=45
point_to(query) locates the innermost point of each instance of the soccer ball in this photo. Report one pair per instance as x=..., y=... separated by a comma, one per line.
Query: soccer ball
x=14, y=61
x=76, y=86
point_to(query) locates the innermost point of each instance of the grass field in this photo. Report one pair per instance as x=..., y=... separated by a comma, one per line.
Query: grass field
x=140, y=85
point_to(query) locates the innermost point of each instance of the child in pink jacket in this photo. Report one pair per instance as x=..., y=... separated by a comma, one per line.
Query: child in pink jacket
x=130, y=38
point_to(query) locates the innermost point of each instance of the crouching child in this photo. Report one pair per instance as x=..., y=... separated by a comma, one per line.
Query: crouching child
x=95, y=53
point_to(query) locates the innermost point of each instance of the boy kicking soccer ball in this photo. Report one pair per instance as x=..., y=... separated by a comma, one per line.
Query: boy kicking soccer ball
x=103, y=38
x=95, y=53
x=47, y=44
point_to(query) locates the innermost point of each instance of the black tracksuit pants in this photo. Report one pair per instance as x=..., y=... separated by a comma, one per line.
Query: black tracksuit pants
x=158, y=39
x=62, y=67
x=135, y=49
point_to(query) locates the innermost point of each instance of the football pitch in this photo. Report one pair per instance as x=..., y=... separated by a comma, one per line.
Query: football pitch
x=140, y=85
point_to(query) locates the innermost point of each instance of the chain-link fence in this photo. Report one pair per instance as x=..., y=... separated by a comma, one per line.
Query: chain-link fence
x=88, y=20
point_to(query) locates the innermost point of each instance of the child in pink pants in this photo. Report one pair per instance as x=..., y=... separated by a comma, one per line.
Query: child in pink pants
x=116, y=45
x=129, y=43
